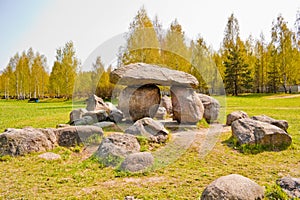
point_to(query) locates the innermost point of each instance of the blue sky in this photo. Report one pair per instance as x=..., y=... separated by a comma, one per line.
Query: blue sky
x=46, y=25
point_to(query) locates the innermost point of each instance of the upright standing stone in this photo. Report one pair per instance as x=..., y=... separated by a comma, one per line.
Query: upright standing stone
x=95, y=103
x=139, y=102
x=187, y=107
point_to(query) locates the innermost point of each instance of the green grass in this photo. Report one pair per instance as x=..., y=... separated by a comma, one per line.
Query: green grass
x=30, y=177
x=47, y=113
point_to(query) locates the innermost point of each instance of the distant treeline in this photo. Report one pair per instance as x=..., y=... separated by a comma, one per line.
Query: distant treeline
x=253, y=65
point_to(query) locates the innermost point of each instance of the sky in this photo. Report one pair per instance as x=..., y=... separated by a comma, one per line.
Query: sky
x=96, y=26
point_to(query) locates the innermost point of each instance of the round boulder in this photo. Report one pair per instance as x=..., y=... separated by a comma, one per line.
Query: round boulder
x=138, y=102
x=211, y=107
x=116, y=147
x=233, y=187
x=137, y=162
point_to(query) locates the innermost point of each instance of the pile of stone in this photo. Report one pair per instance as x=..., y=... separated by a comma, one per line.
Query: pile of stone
x=123, y=150
x=16, y=142
x=260, y=129
x=96, y=111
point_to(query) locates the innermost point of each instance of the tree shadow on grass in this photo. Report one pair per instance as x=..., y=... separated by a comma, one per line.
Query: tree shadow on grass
x=233, y=143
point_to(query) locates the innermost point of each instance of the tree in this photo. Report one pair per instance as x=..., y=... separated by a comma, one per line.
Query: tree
x=142, y=42
x=284, y=41
x=176, y=54
x=237, y=77
x=62, y=77
x=39, y=76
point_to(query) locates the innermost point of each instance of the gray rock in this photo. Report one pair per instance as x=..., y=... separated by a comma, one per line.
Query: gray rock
x=137, y=162
x=283, y=124
x=290, y=185
x=95, y=103
x=23, y=141
x=86, y=120
x=108, y=126
x=116, y=116
x=98, y=115
x=149, y=128
x=235, y=116
x=142, y=74
x=114, y=148
x=249, y=131
x=233, y=187
x=187, y=107
x=166, y=102
x=111, y=106
x=76, y=135
x=139, y=102
x=77, y=114
x=161, y=113
x=50, y=156
x=211, y=107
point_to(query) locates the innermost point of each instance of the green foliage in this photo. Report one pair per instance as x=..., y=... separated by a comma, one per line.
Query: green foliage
x=144, y=143
x=237, y=77
x=5, y=158
x=62, y=77
x=274, y=192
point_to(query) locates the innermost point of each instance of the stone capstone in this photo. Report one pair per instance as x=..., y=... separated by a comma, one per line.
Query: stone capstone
x=139, y=102
x=142, y=74
x=187, y=107
x=249, y=131
x=233, y=187
x=98, y=116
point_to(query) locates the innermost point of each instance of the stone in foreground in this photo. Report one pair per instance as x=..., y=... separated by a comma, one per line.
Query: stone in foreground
x=187, y=107
x=149, y=128
x=290, y=185
x=116, y=147
x=142, y=74
x=249, y=131
x=137, y=162
x=16, y=142
x=233, y=187
x=283, y=124
x=235, y=116
x=211, y=108
x=76, y=135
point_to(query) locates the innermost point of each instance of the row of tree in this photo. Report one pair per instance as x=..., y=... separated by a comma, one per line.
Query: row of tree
x=253, y=65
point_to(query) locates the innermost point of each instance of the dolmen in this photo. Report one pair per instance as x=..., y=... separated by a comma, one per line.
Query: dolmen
x=141, y=97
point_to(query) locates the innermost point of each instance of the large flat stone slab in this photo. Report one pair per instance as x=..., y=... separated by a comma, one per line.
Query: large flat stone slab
x=142, y=74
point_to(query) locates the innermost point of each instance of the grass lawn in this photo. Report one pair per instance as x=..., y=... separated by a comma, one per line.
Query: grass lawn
x=30, y=177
